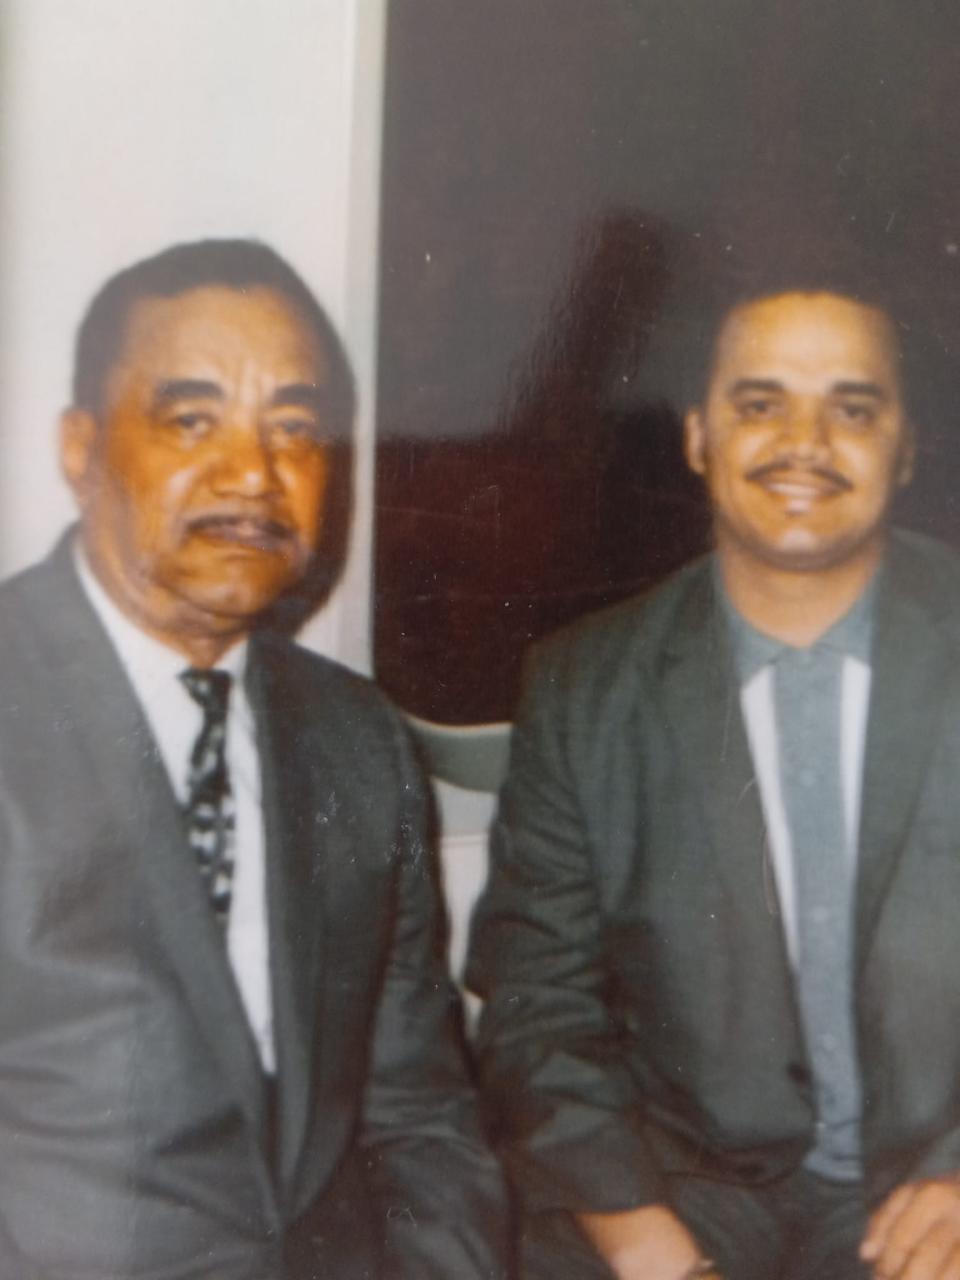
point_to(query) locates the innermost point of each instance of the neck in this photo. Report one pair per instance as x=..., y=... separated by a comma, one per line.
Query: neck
x=201, y=648
x=794, y=606
x=203, y=651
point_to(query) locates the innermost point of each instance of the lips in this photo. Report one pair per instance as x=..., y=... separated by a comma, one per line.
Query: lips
x=800, y=486
x=257, y=533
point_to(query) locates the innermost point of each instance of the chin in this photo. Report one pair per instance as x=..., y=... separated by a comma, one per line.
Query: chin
x=802, y=548
x=809, y=554
x=237, y=601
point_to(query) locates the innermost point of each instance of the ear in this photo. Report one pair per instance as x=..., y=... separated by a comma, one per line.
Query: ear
x=78, y=433
x=694, y=441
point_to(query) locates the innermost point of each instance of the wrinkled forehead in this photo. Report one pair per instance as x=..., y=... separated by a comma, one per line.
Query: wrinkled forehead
x=809, y=337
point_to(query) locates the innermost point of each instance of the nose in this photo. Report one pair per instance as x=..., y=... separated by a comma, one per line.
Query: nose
x=245, y=463
x=806, y=432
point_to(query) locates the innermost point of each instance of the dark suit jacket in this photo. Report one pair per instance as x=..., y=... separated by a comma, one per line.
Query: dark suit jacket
x=641, y=1017
x=132, y=1104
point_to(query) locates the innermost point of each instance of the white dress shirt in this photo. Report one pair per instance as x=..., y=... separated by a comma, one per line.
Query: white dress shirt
x=756, y=699
x=175, y=721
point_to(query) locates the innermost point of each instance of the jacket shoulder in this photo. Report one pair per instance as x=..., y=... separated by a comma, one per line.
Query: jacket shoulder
x=309, y=679
x=632, y=632
x=927, y=571
x=29, y=604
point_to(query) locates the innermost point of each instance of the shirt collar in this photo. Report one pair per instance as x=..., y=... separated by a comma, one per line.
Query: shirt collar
x=850, y=636
x=147, y=661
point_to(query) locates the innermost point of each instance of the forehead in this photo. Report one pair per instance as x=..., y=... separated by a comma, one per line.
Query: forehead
x=218, y=331
x=806, y=339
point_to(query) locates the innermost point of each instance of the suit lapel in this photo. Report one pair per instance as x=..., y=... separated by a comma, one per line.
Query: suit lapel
x=289, y=762
x=702, y=702
x=911, y=664
x=320, y=770
x=135, y=784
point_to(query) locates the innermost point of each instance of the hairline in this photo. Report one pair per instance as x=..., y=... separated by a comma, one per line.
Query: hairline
x=240, y=266
x=724, y=318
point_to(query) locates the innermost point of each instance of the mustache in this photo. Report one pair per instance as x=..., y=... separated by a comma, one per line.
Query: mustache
x=239, y=522
x=782, y=467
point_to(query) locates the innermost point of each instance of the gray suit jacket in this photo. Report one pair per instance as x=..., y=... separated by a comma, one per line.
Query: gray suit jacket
x=133, y=1122
x=640, y=1014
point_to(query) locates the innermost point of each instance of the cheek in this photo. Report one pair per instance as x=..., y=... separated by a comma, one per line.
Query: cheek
x=728, y=463
x=147, y=493
x=174, y=485
x=877, y=466
x=142, y=472
x=306, y=487
x=733, y=443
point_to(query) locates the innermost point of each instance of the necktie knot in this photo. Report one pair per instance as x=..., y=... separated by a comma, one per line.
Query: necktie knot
x=210, y=689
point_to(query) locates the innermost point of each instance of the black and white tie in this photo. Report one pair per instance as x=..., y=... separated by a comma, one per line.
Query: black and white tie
x=209, y=805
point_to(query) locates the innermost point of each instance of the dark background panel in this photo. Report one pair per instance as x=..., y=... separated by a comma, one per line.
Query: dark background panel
x=560, y=178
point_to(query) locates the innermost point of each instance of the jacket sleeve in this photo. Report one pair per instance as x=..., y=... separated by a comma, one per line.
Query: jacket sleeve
x=564, y=1105
x=439, y=1188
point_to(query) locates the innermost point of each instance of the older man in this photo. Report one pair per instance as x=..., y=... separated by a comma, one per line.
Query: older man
x=228, y=1045
x=720, y=946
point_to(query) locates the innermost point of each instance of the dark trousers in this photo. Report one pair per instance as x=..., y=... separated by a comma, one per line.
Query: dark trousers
x=799, y=1228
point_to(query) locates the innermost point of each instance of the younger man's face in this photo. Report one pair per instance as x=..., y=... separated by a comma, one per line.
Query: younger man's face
x=802, y=437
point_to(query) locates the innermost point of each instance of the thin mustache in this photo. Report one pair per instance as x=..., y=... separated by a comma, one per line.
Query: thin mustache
x=778, y=468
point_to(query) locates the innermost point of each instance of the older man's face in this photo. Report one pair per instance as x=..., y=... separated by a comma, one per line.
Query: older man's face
x=802, y=438
x=202, y=481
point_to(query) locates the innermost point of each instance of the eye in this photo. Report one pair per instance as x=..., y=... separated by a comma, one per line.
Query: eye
x=857, y=413
x=191, y=421
x=296, y=428
x=757, y=408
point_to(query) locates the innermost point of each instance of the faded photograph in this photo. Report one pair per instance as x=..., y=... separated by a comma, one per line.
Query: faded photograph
x=479, y=697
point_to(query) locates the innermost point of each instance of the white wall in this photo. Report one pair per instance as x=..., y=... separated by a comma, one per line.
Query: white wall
x=126, y=125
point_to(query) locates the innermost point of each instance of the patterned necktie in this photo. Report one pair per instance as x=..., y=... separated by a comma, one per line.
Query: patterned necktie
x=209, y=805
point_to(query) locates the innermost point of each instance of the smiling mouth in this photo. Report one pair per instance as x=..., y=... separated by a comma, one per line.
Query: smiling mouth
x=254, y=533
x=801, y=488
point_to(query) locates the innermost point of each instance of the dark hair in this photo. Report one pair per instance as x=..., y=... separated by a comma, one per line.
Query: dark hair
x=735, y=279
x=233, y=264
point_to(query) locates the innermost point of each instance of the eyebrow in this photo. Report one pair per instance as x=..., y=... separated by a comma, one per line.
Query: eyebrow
x=872, y=389
x=304, y=395
x=174, y=389
x=755, y=384
x=771, y=385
